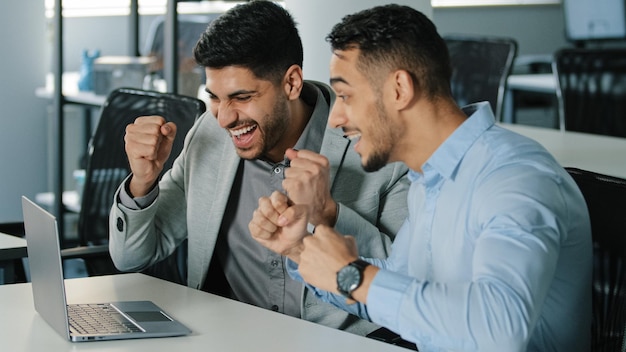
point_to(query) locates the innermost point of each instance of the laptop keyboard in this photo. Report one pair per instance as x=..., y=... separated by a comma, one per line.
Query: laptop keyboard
x=99, y=319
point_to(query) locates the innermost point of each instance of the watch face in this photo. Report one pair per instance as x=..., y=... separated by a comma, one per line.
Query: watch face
x=348, y=279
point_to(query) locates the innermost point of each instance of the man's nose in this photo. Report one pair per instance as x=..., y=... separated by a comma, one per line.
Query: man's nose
x=337, y=116
x=225, y=114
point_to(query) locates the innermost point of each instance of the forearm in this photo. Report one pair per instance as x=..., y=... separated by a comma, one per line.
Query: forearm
x=132, y=240
x=375, y=220
x=371, y=241
x=139, y=236
x=357, y=309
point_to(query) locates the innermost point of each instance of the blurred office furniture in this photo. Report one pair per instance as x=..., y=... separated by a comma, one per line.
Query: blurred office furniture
x=606, y=199
x=528, y=94
x=592, y=90
x=532, y=64
x=59, y=99
x=12, y=250
x=107, y=164
x=480, y=68
x=189, y=29
x=593, y=152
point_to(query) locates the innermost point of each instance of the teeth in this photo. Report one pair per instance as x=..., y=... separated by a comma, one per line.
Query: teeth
x=241, y=131
x=353, y=136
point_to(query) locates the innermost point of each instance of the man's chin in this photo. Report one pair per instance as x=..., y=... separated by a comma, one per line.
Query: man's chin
x=374, y=163
x=248, y=154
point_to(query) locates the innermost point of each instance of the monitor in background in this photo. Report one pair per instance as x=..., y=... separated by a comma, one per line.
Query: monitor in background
x=588, y=20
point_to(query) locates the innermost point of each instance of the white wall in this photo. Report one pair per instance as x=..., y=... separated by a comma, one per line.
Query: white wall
x=538, y=29
x=316, y=18
x=23, y=136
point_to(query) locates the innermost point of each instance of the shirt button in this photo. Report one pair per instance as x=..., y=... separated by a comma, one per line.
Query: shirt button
x=275, y=308
x=274, y=263
x=277, y=170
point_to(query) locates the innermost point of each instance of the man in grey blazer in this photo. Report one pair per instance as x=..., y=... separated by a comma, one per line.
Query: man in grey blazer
x=266, y=130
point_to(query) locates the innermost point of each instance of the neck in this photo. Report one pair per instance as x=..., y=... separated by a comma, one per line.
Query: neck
x=430, y=123
x=300, y=114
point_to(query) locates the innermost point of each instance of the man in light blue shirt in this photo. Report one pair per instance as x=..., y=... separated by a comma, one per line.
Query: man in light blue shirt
x=496, y=252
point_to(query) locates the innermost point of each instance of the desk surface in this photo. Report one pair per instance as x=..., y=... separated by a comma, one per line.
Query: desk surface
x=12, y=247
x=70, y=91
x=540, y=83
x=601, y=154
x=218, y=324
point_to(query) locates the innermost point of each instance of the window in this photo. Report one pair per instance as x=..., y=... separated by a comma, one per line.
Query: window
x=461, y=3
x=87, y=8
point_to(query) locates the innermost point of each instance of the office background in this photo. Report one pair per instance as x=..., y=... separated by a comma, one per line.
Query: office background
x=26, y=130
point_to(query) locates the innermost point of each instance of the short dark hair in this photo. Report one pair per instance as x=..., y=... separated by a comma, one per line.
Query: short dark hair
x=396, y=37
x=258, y=35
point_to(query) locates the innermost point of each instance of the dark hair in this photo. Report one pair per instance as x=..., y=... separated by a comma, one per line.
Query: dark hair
x=395, y=37
x=258, y=35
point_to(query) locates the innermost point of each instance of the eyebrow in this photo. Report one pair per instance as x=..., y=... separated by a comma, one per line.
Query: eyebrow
x=235, y=93
x=338, y=80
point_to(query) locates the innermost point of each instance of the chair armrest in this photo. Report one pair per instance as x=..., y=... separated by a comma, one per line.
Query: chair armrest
x=101, y=250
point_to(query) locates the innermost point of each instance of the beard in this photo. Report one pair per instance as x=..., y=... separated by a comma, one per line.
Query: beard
x=271, y=129
x=275, y=126
x=383, y=142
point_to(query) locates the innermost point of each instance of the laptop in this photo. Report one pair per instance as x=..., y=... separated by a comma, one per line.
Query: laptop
x=102, y=321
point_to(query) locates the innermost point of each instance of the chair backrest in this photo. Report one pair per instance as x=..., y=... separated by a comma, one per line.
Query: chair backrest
x=480, y=68
x=606, y=200
x=591, y=90
x=107, y=163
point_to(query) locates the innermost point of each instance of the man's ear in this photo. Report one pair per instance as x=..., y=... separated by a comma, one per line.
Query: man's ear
x=293, y=82
x=404, y=89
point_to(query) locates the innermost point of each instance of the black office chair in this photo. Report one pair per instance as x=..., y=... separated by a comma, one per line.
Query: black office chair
x=606, y=199
x=480, y=68
x=107, y=166
x=591, y=90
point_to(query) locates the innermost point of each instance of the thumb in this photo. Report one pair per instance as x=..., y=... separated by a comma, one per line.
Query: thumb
x=291, y=153
x=292, y=215
x=168, y=130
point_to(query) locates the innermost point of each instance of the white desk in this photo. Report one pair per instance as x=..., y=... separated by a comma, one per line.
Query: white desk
x=218, y=324
x=70, y=91
x=597, y=153
x=12, y=247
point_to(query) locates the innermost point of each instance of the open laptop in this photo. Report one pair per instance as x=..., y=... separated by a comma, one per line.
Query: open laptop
x=133, y=319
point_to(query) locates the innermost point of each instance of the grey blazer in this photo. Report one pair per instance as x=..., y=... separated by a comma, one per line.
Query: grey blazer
x=192, y=201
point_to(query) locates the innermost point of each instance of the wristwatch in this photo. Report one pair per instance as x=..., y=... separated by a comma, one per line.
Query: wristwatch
x=350, y=277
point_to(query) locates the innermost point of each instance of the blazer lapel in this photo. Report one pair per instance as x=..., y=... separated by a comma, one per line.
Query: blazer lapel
x=334, y=147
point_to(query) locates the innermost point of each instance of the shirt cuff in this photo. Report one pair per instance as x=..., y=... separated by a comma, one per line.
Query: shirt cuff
x=137, y=203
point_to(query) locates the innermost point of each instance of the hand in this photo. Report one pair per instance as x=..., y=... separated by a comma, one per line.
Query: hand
x=149, y=143
x=279, y=225
x=324, y=254
x=307, y=182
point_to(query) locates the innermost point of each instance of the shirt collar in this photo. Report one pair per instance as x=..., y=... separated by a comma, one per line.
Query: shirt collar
x=446, y=159
x=313, y=134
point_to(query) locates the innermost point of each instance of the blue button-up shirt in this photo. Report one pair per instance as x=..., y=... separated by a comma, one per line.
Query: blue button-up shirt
x=495, y=254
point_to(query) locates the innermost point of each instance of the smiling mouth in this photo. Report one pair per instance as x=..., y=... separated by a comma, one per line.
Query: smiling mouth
x=353, y=136
x=238, y=133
